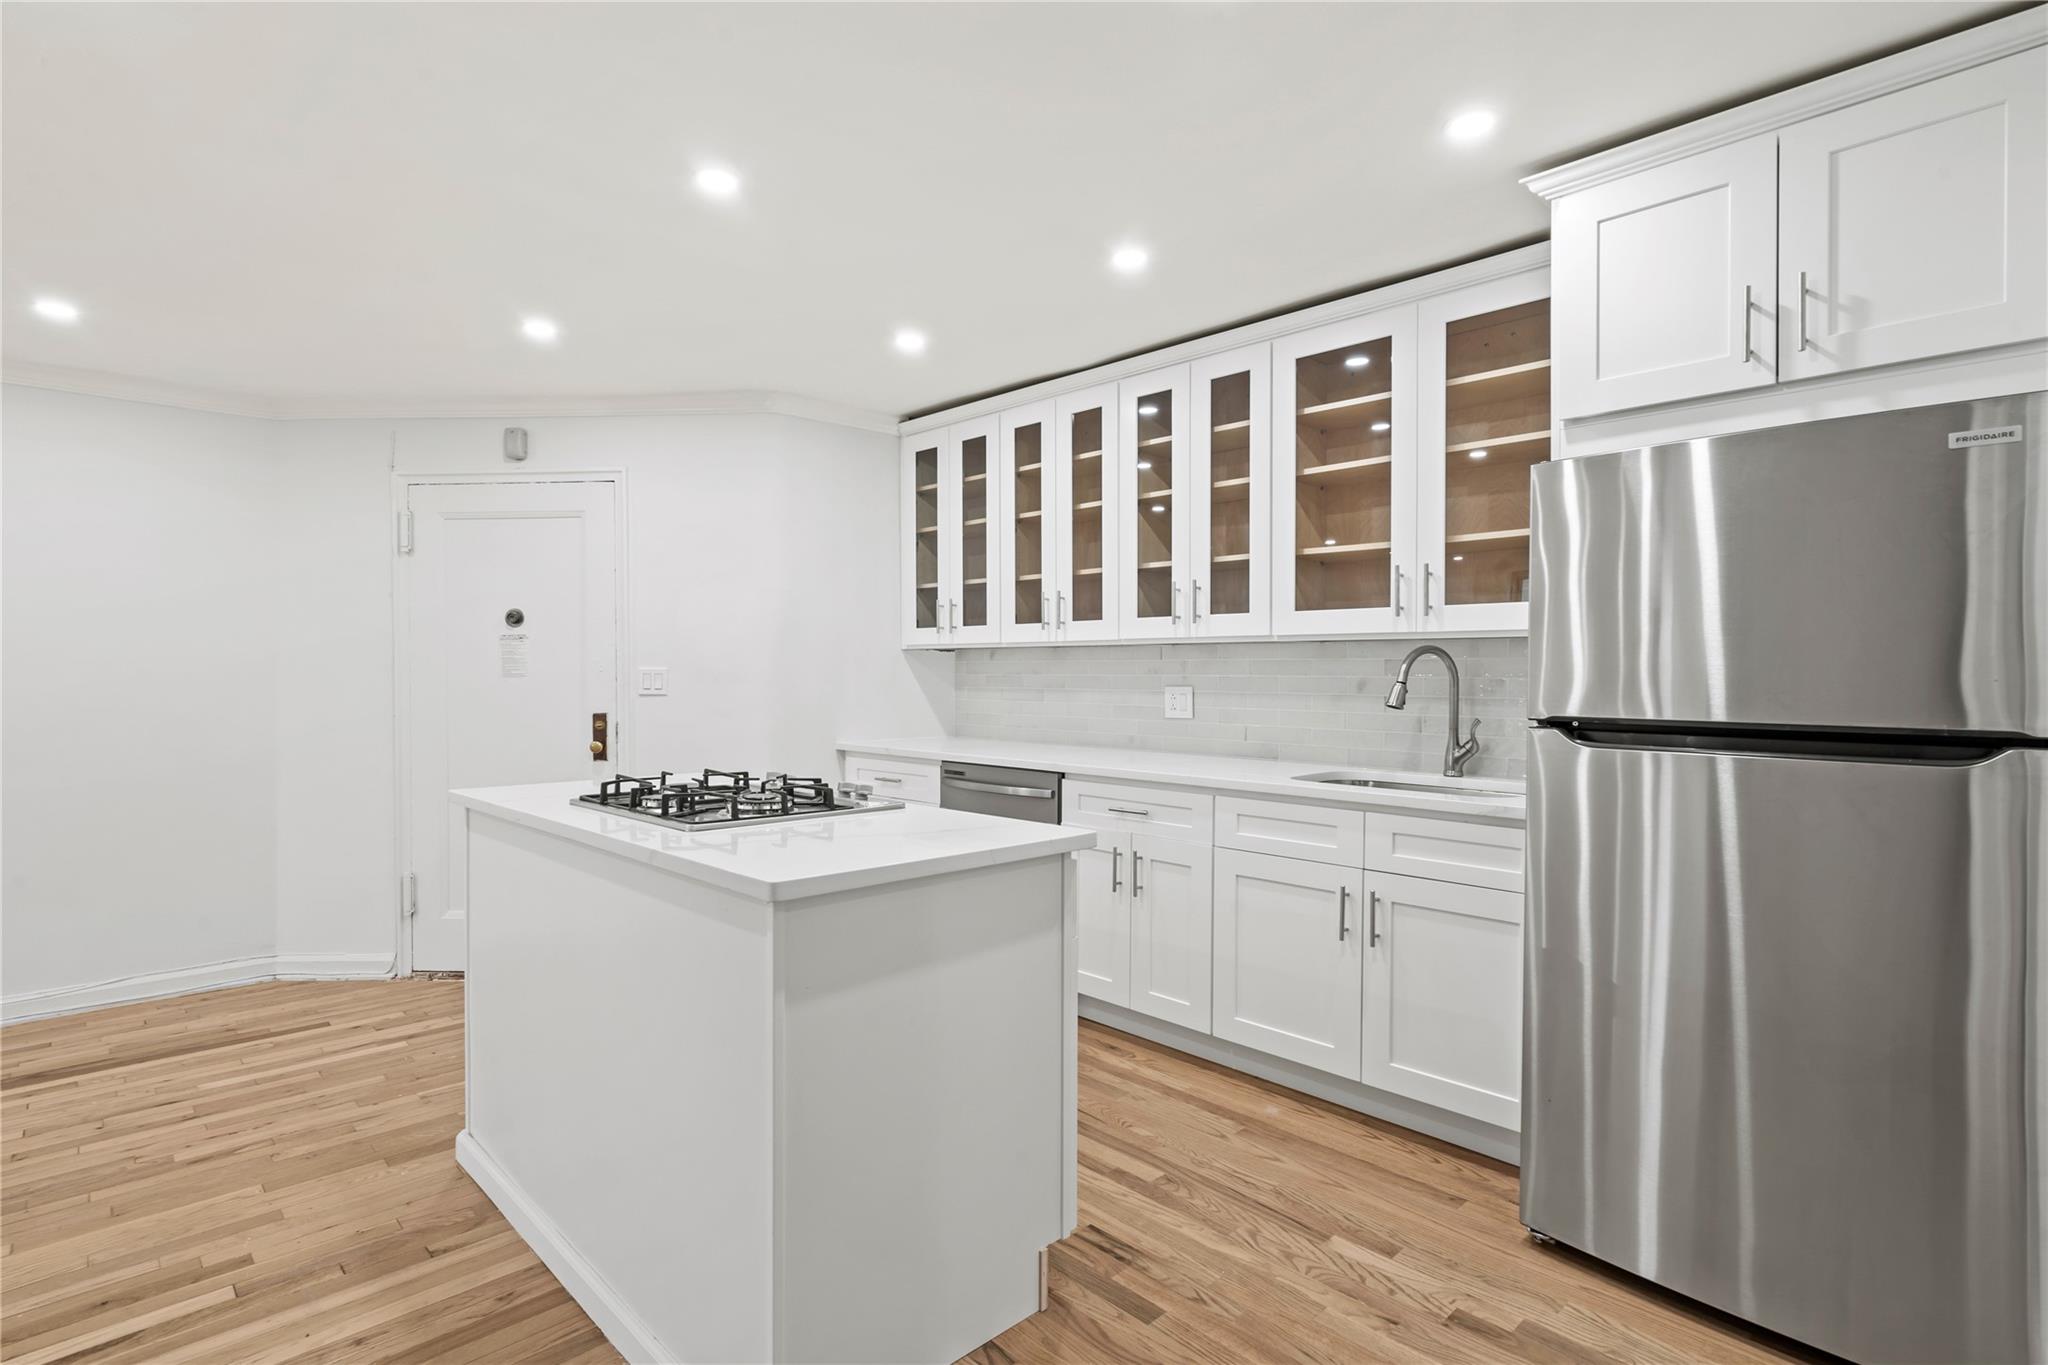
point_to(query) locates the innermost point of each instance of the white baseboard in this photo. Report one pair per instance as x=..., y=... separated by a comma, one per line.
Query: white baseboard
x=1485, y=1138
x=631, y=1337
x=240, y=971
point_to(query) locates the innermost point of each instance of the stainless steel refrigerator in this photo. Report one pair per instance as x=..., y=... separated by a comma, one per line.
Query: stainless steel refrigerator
x=1786, y=1049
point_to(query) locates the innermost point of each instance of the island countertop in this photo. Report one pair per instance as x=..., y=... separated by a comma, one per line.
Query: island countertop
x=793, y=860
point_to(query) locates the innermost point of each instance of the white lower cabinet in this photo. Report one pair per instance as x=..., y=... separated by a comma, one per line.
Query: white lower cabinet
x=1102, y=908
x=1289, y=958
x=1443, y=995
x=1144, y=911
x=1172, y=899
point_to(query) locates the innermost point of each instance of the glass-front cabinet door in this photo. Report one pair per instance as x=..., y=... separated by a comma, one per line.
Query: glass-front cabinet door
x=1085, y=501
x=1024, y=467
x=1153, y=557
x=1229, y=493
x=1484, y=379
x=970, y=523
x=1344, y=485
x=924, y=562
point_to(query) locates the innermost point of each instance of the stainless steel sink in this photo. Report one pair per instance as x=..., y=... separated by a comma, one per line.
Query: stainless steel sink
x=1341, y=779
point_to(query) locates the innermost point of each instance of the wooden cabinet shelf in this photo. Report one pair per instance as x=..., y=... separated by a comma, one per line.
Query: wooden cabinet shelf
x=1484, y=537
x=1343, y=551
x=1344, y=412
x=1506, y=372
x=1323, y=473
x=1501, y=443
x=927, y=488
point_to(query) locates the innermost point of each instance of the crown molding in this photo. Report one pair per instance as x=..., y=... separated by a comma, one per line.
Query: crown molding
x=1943, y=57
x=737, y=403
x=1532, y=257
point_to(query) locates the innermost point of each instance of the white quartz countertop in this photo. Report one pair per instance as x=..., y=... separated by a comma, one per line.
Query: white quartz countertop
x=1491, y=797
x=784, y=862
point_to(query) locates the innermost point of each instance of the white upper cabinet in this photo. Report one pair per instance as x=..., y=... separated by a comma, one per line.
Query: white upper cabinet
x=1483, y=361
x=924, y=556
x=1665, y=281
x=1024, y=469
x=1344, y=479
x=1154, y=490
x=1085, y=510
x=1916, y=224
x=970, y=508
x=1230, y=493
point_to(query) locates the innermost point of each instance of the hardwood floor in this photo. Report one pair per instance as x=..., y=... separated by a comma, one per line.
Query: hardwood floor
x=267, y=1173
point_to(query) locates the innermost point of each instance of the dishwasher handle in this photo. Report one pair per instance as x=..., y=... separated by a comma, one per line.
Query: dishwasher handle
x=994, y=789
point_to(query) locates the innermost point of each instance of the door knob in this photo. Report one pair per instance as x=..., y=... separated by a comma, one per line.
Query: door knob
x=597, y=746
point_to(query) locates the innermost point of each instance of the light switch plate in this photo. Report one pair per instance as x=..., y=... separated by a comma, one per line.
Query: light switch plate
x=653, y=682
x=1180, y=703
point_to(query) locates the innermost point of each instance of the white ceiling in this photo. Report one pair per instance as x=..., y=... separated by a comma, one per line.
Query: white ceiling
x=326, y=203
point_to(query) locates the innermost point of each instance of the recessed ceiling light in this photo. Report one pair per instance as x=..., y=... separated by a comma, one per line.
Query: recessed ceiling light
x=1357, y=362
x=1144, y=464
x=56, y=310
x=1159, y=507
x=1382, y=426
x=1331, y=541
x=909, y=341
x=1474, y=125
x=1148, y=410
x=1458, y=559
x=1129, y=259
x=717, y=182
x=1479, y=454
x=539, y=329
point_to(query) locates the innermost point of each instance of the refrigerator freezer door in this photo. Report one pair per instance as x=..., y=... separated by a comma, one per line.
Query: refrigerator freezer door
x=1781, y=1052
x=1884, y=572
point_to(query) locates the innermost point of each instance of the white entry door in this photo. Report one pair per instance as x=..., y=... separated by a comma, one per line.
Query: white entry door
x=509, y=626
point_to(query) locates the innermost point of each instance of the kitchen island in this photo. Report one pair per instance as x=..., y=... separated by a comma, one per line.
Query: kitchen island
x=792, y=1092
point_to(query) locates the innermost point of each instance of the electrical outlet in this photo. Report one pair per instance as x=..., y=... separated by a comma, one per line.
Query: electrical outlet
x=1180, y=703
x=653, y=682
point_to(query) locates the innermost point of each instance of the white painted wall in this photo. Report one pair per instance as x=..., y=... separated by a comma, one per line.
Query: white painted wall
x=258, y=710
x=138, y=734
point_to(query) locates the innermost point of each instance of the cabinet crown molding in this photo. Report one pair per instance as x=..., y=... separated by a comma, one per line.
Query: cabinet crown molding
x=1943, y=57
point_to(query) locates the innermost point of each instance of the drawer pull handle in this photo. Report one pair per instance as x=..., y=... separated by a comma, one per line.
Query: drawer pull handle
x=1123, y=810
x=884, y=777
x=998, y=789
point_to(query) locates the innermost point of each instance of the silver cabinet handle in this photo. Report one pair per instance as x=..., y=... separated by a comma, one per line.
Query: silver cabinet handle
x=1372, y=920
x=1196, y=603
x=1044, y=612
x=1121, y=810
x=1059, y=608
x=1398, y=609
x=1176, y=601
x=1116, y=862
x=884, y=777
x=1343, y=895
x=1802, y=310
x=1747, y=353
x=994, y=789
x=1428, y=575
x=1137, y=863
x=954, y=614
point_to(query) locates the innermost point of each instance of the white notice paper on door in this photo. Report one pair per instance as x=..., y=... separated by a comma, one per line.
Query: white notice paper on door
x=512, y=654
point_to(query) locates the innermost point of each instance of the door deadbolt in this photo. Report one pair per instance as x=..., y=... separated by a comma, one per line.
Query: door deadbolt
x=515, y=617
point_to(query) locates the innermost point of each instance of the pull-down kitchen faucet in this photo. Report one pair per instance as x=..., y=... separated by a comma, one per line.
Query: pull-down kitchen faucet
x=1456, y=754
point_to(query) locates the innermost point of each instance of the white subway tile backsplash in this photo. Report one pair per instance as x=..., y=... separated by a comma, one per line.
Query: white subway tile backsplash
x=1309, y=701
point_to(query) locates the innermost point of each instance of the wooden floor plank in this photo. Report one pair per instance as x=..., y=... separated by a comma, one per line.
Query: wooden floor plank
x=267, y=1174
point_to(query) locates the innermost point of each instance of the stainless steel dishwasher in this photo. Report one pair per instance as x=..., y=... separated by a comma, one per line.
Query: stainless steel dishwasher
x=1020, y=793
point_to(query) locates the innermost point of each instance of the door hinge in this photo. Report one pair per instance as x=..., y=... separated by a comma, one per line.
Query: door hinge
x=405, y=531
x=410, y=894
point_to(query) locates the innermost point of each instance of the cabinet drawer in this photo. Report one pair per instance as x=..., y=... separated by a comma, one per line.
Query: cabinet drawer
x=1140, y=810
x=897, y=779
x=1292, y=829
x=1447, y=850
